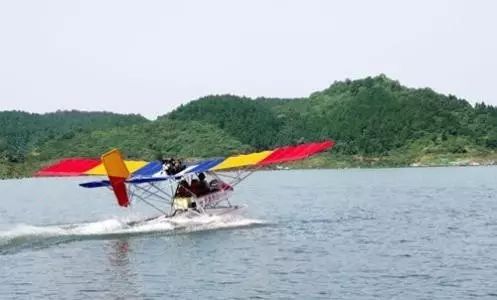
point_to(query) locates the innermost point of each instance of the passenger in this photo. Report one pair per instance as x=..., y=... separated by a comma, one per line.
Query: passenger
x=184, y=189
x=214, y=185
x=182, y=197
x=199, y=186
x=201, y=177
x=203, y=185
x=195, y=186
x=218, y=185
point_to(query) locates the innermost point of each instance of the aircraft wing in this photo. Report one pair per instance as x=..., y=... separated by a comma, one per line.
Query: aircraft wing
x=124, y=174
x=142, y=170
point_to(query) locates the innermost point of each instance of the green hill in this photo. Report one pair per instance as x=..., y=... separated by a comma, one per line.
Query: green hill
x=247, y=120
x=376, y=122
x=21, y=133
x=368, y=117
x=148, y=141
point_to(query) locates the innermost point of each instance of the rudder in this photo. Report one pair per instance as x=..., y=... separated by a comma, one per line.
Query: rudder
x=118, y=173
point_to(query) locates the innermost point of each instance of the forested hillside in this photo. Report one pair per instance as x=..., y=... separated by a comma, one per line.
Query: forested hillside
x=372, y=116
x=21, y=132
x=245, y=119
x=148, y=141
x=375, y=121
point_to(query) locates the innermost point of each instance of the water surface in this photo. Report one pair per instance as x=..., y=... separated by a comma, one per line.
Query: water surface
x=343, y=234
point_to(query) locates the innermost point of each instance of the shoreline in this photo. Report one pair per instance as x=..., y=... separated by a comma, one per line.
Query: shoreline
x=327, y=161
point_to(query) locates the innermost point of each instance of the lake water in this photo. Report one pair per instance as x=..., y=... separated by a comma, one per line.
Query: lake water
x=427, y=233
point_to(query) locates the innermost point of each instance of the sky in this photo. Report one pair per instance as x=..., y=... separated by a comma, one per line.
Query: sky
x=150, y=56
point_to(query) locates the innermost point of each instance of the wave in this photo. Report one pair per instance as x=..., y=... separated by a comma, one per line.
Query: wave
x=24, y=236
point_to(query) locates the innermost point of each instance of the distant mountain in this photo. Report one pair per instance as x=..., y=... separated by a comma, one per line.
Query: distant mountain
x=375, y=121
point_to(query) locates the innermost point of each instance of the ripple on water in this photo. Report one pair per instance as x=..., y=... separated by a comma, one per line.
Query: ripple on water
x=427, y=233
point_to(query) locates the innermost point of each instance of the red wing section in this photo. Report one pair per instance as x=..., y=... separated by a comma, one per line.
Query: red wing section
x=69, y=167
x=291, y=153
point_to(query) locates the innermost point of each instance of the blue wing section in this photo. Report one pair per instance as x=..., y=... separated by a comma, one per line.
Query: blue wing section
x=147, y=172
x=149, y=169
x=206, y=165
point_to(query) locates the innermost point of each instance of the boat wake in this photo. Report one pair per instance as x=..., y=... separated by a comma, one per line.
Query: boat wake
x=23, y=236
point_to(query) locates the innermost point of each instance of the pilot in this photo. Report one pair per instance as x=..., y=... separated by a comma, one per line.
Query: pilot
x=166, y=167
x=172, y=166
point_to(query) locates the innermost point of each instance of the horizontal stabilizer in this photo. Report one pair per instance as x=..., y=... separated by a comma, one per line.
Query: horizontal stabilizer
x=106, y=183
x=95, y=184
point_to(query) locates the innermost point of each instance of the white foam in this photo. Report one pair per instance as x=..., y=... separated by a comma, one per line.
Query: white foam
x=24, y=233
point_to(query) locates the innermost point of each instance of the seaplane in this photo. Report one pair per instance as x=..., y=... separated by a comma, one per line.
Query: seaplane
x=176, y=189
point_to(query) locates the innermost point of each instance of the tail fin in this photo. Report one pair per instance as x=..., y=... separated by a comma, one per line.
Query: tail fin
x=117, y=173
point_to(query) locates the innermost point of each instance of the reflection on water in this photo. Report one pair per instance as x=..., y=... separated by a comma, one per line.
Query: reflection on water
x=123, y=278
x=118, y=256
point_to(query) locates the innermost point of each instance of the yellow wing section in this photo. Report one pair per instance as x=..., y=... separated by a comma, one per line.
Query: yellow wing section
x=244, y=160
x=131, y=165
x=116, y=166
